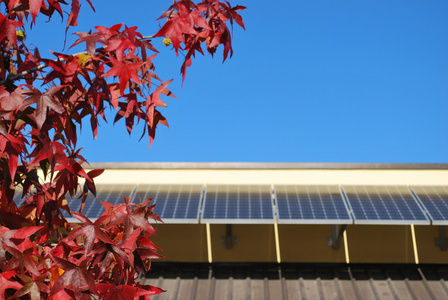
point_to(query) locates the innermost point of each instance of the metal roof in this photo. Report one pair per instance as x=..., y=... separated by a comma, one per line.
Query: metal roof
x=292, y=281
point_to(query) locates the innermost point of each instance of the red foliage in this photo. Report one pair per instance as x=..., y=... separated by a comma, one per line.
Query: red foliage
x=42, y=256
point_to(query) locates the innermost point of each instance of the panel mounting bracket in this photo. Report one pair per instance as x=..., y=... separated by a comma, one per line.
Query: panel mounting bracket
x=442, y=240
x=228, y=240
x=338, y=237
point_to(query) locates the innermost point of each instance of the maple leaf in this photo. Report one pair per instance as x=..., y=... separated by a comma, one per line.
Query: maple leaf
x=91, y=231
x=132, y=216
x=5, y=241
x=31, y=288
x=119, y=46
x=108, y=32
x=66, y=69
x=125, y=292
x=129, y=111
x=7, y=284
x=54, y=5
x=24, y=260
x=89, y=185
x=54, y=152
x=10, y=102
x=35, y=6
x=181, y=23
x=91, y=40
x=73, y=17
x=154, y=100
x=8, y=30
x=124, y=72
x=158, y=118
x=75, y=277
x=44, y=101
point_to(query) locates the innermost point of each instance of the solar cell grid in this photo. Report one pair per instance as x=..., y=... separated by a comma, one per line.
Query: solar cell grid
x=435, y=201
x=238, y=204
x=384, y=205
x=311, y=204
x=174, y=203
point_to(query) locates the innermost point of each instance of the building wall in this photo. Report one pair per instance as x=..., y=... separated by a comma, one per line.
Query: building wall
x=299, y=243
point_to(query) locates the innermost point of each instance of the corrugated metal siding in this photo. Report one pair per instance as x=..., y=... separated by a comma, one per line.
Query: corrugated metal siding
x=288, y=282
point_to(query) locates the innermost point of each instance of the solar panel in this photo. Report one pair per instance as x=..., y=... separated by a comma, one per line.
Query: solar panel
x=174, y=203
x=311, y=205
x=384, y=205
x=435, y=200
x=18, y=200
x=112, y=193
x=242, y=204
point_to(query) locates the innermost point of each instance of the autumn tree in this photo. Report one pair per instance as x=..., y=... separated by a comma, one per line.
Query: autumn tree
x=43, y=101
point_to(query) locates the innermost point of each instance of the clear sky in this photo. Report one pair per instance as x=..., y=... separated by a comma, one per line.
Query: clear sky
x=310, y=81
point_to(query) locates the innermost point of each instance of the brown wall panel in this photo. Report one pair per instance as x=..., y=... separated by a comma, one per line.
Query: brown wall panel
x=308, y=243
x=428, y=252
x=182, y=242
x=255, y=243
x=380, y=244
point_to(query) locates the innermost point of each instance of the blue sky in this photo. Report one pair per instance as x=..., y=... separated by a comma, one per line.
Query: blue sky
x=310, y=81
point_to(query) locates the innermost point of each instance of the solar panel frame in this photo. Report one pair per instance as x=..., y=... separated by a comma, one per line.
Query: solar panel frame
x=308, y=203
x=384, y=205
x=219, y=210
x=434, y=200
x=170, y=209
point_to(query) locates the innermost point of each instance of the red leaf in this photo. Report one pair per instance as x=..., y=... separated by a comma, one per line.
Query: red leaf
x=73, y=17
x=154, y=100
x=158, y=118
x=44, y=101
x=75, y=278
x=7, y=284
x=35, y=6
x=26, y=232
x=55, y=153
x=91, y=41
x=91, y=231
x=125, y=72
x=8, y=30
x=130, y=110
x=74, y=12
x=95, y=173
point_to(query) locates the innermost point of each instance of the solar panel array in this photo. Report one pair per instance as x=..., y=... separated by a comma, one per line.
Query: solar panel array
x=288, y=204
x=238, y=204
x=311, y=204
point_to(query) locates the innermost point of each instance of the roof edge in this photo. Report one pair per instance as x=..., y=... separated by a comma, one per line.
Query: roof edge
x=263, y=165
